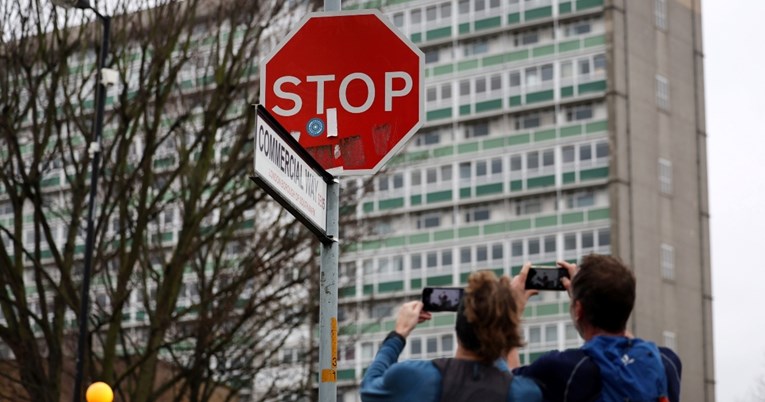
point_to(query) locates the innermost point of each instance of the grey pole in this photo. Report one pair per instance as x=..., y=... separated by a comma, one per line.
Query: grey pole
x=330, y=253
x=328, y=300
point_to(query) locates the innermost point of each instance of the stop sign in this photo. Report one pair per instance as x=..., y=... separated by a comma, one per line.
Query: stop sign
x=348, y=87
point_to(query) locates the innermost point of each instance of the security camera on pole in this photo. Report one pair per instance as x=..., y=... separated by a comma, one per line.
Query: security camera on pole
x=349, y=88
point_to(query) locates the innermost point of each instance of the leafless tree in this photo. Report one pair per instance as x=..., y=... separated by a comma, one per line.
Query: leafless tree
x=199, y=279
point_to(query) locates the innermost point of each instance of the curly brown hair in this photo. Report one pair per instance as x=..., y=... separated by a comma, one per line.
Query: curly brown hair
x=488, y=322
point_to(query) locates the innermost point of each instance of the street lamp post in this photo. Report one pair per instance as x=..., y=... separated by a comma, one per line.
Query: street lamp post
x=94, y=150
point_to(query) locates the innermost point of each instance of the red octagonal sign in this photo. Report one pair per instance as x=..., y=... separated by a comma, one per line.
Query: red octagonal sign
x=348, y=87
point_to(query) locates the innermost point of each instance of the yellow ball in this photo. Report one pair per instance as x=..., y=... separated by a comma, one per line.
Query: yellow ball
x=99, y=392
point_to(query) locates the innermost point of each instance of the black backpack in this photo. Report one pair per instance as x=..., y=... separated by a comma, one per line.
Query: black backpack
x=470, y=381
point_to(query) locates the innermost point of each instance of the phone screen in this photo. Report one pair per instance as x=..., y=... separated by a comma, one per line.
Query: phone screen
x=546, y=278
x=441, y=299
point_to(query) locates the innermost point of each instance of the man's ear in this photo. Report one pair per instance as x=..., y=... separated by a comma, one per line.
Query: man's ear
x=578, y=311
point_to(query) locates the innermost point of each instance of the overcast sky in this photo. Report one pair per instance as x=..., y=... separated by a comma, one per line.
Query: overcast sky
x=735, y=87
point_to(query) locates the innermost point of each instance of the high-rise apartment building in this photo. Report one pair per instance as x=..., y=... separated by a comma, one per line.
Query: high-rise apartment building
x=554, y=129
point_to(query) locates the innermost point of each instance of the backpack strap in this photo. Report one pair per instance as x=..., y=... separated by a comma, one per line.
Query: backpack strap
x=467, y=381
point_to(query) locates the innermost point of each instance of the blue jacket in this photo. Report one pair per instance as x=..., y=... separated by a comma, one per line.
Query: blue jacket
x=573, y=376
x=386, y=380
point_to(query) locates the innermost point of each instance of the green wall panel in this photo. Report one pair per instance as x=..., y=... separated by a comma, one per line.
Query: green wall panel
x=368, y=290
x=515, y=100
x=397, y=241
x=442, y=320
x=488, y=105
x=416, y=37
x=598, y=214
x=596, y=126
x=439, y=114
x=595, y=86
x=543, y=221
x=494, y=143
x=442, y=235
x=443, y=151
x=416, y=200
x=516, y=185
x=494, y=228
x=518, y=55
x=392, y=203
x=548, y=309
x=467, y=147
x=542, y=181
x=543, y=50
x=371, y=245
x=493, y=60
x=419, y=238
x=464, y=28
x=468, y=232
x=439, y=196
x=544, y=135
x=568, y=45
x=570, y=130
x=467, y=65
x=595, y=41
x=486, y=189
x=444, y=69
x=438, y=33
x=487, y=23
x=465, y=109
x=536, y=13
x=443, y=280
x=540, y=96
x=572, y=217
x=465, y=192
x=394, y=286
x=564, y=8
x=348, y=291
x=582, y=4
x=524, y=224
x=519, y=139
x=416, y=284
x=347, y=374
x=513, y=18
x=569, y=177
x=592, y=174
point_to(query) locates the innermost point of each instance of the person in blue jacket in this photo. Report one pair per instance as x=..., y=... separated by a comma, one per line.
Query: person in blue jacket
x=487, y=327
x=612, y=365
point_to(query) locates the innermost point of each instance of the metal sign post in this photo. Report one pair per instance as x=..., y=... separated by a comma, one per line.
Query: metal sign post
x=330, y=254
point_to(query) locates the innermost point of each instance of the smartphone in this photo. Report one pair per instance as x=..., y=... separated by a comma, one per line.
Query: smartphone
x=441, y=299
x=546, y=278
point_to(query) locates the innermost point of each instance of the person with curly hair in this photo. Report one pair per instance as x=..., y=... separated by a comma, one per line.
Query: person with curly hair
x=487, y=327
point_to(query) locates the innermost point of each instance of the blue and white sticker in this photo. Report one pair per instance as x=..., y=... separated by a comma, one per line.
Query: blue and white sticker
x=315, y=127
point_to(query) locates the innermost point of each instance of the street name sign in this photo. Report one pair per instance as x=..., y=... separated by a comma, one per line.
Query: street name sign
x=289, y=174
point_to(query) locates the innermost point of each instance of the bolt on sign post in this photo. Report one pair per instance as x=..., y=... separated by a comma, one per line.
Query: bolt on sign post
x=349, y=88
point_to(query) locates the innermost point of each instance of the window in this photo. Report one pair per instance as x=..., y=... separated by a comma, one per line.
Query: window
x=660, y=14
x=604, y=237
x=431, y=13
x=415, y=261
x=667, y=261
x=568, y=154
x=431, y=56
x=447, y=343
x=601, y=150
x=515, y=79
x=529, y=206
x=480, y=129
x=398, y=19
x=581, y=112
x=551, y=334
x=535, y=334
x=416, y=16
x=466, y=255
x=446, y=258
x=534, y=246
x=481, y=253
x=496, y=251
x=478, y=215
x=416, y=178
x=527, y=121
x=571, y=333
x=515, y=163
x=431, y=259
x=464, y=6
x=429, y=221
x=599, y=63
x=662, y=92
x=550, y=244
x=566, y=69
x=670, y=340
x=569, y=242
x=479, y=5
x=446, y=10
x=665, y=176
x=578, y=28
x=588, y=240
x=430, y=93
x=416, y=345
x=476, y=47
x=431, y=345
x=465, y=170
x=464, y=87
x=516, y=248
